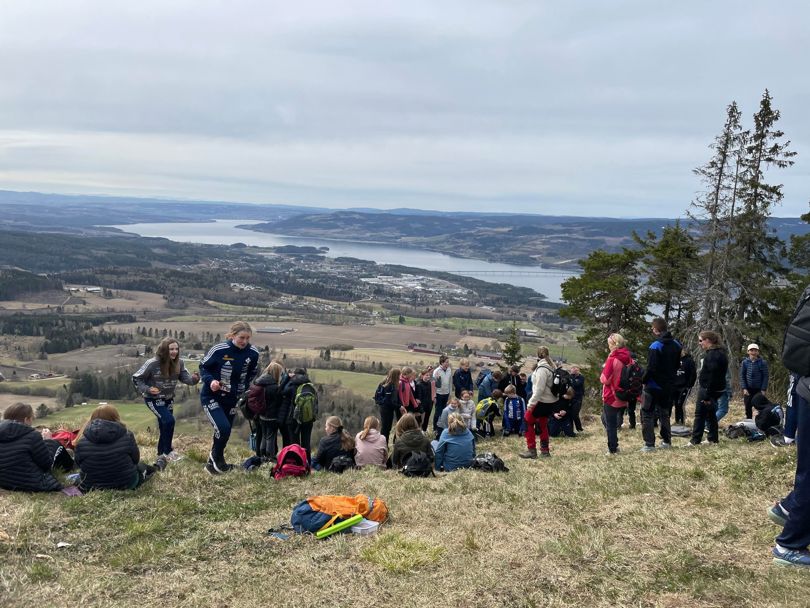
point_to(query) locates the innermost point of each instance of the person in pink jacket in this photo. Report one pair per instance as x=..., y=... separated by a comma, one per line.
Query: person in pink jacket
x=611, y=376
x=371, y=446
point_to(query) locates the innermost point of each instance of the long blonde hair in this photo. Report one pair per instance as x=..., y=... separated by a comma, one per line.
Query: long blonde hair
x=456, y=424
x=274, y=369
x=238, y=326
x=346, y=440
x=371, y=422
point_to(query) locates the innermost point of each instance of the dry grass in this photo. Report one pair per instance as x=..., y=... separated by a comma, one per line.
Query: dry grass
x=676, y=528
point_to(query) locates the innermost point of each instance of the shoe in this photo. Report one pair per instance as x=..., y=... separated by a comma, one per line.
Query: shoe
x=778, y=515
x=665, y=446
x=778, y=441
x=210, y=468
x=545, y=454
x=530, y=453
x=174, y=456
x=609, y=453
x=219, y=465
x=791, y=557
x=647, y=448
x=161, y=463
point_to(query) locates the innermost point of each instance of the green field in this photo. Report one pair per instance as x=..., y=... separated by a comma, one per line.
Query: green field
x=362, y=384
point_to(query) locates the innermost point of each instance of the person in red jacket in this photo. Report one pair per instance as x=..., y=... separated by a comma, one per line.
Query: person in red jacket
x=611, y=376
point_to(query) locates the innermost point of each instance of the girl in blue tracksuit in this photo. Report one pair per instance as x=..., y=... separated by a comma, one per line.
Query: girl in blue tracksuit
x=226, y=372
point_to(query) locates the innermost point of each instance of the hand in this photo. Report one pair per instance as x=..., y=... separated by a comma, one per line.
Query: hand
x=154, y=390
x=403, y=410
x=745, y=391
x=46, y=433
x=215, y=385
x=195, y=377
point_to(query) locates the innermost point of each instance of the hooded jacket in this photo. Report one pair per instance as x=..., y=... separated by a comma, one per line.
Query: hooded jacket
x=455, y=451
x=663, y=361
x=373, y=450
x=712, y=377
x=686, y=375
x=330, y=448
x=408, y=443
x=107, y=456
x=285, y=414
x=612, y=375
x=25, y=460
x=272, y=396
x=541, y=384
x=462, y=381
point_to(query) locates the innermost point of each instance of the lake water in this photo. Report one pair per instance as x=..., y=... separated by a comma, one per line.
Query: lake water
x=225, y=232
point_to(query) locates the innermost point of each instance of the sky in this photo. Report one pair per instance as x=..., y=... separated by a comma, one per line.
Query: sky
x=582, y=108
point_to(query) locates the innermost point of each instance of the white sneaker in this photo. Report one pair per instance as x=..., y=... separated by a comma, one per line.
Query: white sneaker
x=665, y=446
x=174, y=456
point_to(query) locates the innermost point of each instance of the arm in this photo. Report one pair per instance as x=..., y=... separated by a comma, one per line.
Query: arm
x=441, y=450
x=186, y=377
x=764, y=374
x=652, y=364
x=209, y=368
x=40, y=453
x=743, y=374
x=134, y=452
x=252, y=366
x=143, y=378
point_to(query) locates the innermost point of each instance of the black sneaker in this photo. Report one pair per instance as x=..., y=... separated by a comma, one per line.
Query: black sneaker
x=220, y=466
x=210, y=468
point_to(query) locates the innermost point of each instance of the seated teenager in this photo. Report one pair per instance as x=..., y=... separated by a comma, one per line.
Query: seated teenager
x=371, y=446
x=337, y=442
x=452, y=407
x=409, y=439
x=561, y=421
x=769, y=415
x=26, y=459
x=456, y=447
x=107, y=455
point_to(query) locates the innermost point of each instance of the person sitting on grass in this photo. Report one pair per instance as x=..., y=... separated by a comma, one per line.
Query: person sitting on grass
x=337, y=442
x=371, y=445
x=456, y=446
x=561, y=421
x=107, y=454
x=26, y=457
x=769, y=417
x=409, y=439
x=452, y=407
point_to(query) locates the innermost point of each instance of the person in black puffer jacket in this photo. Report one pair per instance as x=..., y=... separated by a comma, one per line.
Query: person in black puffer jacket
x=26, y=458
x=711, y=384
x=107, y=454
x=337, y=442
x=299, y=433
x=272, y=421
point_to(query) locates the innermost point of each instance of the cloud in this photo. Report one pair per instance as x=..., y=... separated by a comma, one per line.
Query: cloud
x=595, y=108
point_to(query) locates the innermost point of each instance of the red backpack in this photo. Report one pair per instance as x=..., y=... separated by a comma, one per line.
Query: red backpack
x=292, y=462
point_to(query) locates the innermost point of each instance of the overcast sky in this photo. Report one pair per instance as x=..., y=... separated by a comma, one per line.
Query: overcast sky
x=592, y=108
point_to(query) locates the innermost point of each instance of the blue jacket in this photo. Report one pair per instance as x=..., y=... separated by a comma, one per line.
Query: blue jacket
x=462, y=381
x=455, y=451
x=663, y=362
x=233, y=367
x=754, y=374
x=486, y=387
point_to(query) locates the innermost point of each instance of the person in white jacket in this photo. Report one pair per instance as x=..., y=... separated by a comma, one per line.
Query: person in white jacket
x=540, y=406
x=443, y=379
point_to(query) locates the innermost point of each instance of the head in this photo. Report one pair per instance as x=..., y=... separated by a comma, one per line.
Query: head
x=497, y=394
x=575, y=371
x=708, y=339
x=464, y=364
x=497, y=375
x=615, y=341
x=456, y=424
x=453, y=402
x=544, y=355
x=753, y=351
x=510, y=391
x=19, y=412
x=407, y=423
x=168, y=354
x=466, y=395
x=240, y=333
x=659, y=326
x=275, y=369
x=407, y=373
x=515, y=369
x=444, y=361
x=523, y=377
x=760, y=401
x=334, y=425
x=371, y=422
x=392, y=377
x=106, y=412
x=426, y=373
x=684, y=352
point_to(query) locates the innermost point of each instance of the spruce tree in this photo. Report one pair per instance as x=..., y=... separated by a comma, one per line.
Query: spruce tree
x=511, y=353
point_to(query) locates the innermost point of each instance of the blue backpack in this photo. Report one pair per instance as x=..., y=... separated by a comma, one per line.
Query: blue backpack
x=386, y=396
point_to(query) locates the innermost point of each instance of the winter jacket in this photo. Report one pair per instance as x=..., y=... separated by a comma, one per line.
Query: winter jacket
x=25, y=460
x=514, y=410
x=330, y=448
x=442, y=423
x=272, y=396
x=288, y=396
x=424, y=394
x=406, y=398
x=712, y=377
x=541, y=385
x=462, y=381
x=233, y=367
x=150, y=376
x=373, y=450
x=486, y=387
x=443, y=379
x=686, y=375
x=408, y=443
x=612, y=375
x=754, y=374
x=108, y=456
x=455, y=451
x=578, y=384
x=467, y=410
x=663, y=361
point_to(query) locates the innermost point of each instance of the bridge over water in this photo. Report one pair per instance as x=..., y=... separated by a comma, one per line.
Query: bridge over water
x=541, y=272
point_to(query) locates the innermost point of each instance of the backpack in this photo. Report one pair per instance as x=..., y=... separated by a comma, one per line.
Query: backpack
x=319, y=512
x=341, y=463
x=384, y=395
x=796, y=343
x=560, y=382
x=514, y=408
x=630, y=385
x=489, y=463
x=252, y=403
x=485, y=407
x=418, y=464
x=305, y=404
x=292, y=462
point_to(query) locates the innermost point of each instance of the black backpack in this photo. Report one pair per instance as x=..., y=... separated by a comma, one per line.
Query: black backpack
x=418, y=465
x=341, y=463
x=489, y=463
x=630, y=385
x=560, y=382
x=386, y=396
x=796, y=345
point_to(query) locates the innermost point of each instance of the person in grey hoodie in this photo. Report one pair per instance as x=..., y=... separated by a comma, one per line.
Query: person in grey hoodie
x=156, y=381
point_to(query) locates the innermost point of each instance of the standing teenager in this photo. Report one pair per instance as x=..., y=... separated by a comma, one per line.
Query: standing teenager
x=541, y=405
x=611, y=379
x=156, y=381
x=443, y=380
x=226, y=371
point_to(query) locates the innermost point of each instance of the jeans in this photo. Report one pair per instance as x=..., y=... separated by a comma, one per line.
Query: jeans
x=387, y=416
x=610, y=418
x=531, y=440
x=222, y=421
x=165, y=419
x=705, y=414
x=656, y=406
x=796, y=533
x=427, y=408
x=441, y=403
x=722, y=405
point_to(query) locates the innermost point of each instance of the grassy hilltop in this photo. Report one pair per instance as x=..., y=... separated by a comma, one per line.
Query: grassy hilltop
x=677, y=528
